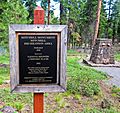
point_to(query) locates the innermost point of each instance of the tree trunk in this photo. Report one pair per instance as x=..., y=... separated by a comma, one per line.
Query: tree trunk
x=113, y=37
x=97, y=21
x=48, y=12
x=61, y=12
x=109, y=16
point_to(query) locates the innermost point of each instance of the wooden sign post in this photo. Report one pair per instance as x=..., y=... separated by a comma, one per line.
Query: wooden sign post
x=38, y=102
x=39, y=15
x=38, y=58
x=38, y=97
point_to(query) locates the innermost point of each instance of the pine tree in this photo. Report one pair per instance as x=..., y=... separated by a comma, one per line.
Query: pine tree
x=12, y=12
x=115, y=20
x=30, y=6
x=89, y=17
x=103, y=21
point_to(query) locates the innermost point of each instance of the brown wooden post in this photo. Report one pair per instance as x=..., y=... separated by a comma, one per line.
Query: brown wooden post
x=39, y=97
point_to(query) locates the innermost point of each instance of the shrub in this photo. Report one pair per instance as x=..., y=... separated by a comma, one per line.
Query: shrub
x=83, y=80
x=89, y=88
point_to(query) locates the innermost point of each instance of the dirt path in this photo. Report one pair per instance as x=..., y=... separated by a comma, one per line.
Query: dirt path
x=114, y=72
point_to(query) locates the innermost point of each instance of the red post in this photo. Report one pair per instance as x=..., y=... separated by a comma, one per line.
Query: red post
x=39, y=15
x=38, y=97
x=38, y=102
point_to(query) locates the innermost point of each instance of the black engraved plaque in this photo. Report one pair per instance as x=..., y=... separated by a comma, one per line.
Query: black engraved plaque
x=37, y=59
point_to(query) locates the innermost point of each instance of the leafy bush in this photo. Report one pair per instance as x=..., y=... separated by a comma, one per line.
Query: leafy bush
x=15, y=100
x=4, y=59
x=89, y=88
x=18, y=105
x=1, y=81
x=83, y=80
x=116, y=91
x=12, y=12
x=76, y=37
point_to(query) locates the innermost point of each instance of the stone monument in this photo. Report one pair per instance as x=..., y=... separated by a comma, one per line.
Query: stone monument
x=102, y=52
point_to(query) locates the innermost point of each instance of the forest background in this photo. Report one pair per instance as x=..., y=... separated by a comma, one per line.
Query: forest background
x=79, y=15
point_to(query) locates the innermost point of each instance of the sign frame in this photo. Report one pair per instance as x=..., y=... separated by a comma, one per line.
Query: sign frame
x=57, y=35
x=61, y=32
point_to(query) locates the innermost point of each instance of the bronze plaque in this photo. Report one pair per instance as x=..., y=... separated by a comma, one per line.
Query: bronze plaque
x=37, y=59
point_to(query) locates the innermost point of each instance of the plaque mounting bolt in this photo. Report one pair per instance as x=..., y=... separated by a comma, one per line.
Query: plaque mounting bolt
x=38, y=27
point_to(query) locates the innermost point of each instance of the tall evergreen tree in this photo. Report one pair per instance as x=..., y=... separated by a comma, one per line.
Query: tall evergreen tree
x=89, y=17
x=81, y=17
x=116, y=20
x=12, y=12
x=109, y=23
x=103, y=21
x=30, y=6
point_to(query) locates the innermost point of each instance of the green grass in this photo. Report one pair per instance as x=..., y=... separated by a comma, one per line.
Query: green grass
x=4, y=59
x=115, y=92
x=96, y=110
x=83, y=80
x=72, y=52
x=75, y=69
x=17, y=101
x=117, y=57
x=4, y=74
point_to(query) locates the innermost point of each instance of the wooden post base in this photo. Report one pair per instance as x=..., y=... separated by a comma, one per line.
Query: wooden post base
x=38, y=102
